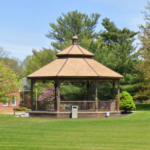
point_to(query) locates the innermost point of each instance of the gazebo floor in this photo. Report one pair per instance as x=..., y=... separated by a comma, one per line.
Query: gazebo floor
x=68, y=114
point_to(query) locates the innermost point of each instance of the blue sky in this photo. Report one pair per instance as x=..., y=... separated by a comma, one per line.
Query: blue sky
x=24, y=23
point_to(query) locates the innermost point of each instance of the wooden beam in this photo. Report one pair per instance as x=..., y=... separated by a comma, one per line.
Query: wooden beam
x=96, y=85
x=55, y=103
x=114, y=90
x=88, y=93
x=88, y=88
x=118, y=103
x=58, y=96
x=32, y=83
x=58, y=78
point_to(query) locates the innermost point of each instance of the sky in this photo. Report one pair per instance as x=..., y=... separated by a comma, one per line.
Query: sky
x=24, y=23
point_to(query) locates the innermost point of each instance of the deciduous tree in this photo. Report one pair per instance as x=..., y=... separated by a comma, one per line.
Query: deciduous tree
x=47, y=94
x=38, y=60
x=8, y=82
x=14, y=63
x=144, y=66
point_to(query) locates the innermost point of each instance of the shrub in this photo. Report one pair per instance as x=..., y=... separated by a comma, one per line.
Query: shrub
x=20, y=108
x=126, y=102
x=23, y=108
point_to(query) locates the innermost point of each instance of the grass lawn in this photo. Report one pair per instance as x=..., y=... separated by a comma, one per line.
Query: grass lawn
x=125, y=133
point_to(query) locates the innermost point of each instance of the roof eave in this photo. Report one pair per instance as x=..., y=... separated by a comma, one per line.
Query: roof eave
x=73, y=77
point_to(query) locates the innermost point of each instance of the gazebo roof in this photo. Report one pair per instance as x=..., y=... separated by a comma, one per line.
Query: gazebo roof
x=75, y=62
x=75, y=50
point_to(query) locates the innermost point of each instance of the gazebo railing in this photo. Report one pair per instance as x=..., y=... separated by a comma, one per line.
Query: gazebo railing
x=107, y=105
x=82, y=105
x=43, y=105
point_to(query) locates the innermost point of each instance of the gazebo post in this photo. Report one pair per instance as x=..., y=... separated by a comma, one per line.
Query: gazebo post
x=32, y=83
x=57, y=98
x=88, y=86
x=96, y=84
x=118, y=103
x=55, y=103
x=113, y=89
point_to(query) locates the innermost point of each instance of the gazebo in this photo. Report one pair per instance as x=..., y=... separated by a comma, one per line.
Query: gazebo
x=76, y=64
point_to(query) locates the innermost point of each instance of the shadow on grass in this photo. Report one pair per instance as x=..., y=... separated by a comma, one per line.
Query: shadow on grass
x=142, y=107
x=126, y=113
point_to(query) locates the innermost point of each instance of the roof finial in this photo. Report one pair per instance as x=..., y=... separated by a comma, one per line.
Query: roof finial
x=75, y=40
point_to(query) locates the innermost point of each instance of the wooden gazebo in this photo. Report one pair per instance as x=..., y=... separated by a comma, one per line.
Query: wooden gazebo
x=74, y=64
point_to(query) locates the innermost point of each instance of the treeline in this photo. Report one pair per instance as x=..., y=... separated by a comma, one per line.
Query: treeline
x=14, y=63
x=112, y=47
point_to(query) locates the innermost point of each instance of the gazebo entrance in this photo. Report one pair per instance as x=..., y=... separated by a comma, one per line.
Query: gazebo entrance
x=75, y=64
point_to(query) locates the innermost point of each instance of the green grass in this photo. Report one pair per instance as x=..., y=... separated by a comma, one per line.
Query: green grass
x=125, y=133
x=142, y=107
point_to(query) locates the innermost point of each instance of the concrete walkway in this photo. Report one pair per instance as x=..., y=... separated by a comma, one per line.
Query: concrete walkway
x=12, y=112
x=7, y=112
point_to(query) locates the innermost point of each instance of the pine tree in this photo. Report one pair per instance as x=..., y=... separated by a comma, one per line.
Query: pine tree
x=117, y=52
x=119, y=43
x=70, y=24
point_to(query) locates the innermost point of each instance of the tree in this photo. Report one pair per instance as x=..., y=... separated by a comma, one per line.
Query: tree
x=13, y=63
x=8, y=82
x=3, y=53
x=119, y=43
x=72, y=23
x=126, y=102
x=116, y=51
x=144, y=66
x=16, y=65
x=73, y=91
x=38, y=60
x=47, y=94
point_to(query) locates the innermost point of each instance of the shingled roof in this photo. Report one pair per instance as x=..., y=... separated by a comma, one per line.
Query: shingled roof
x=75, y=50
x=75, y=62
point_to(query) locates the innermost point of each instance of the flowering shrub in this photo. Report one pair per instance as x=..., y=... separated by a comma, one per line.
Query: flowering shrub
x=47, y=94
